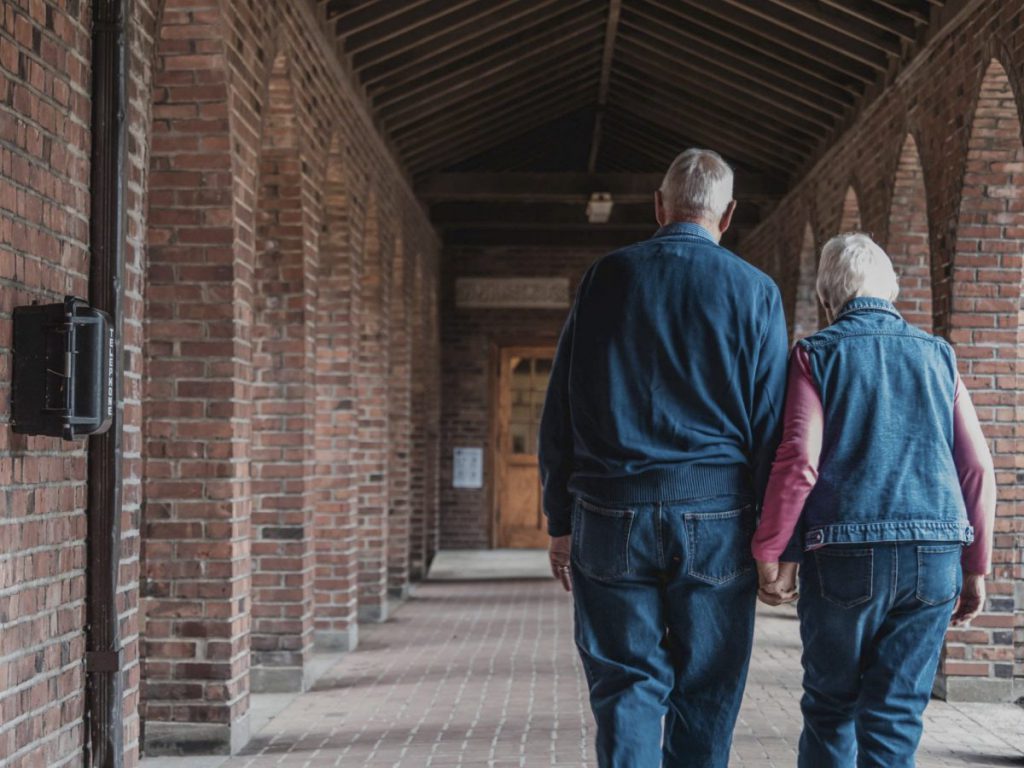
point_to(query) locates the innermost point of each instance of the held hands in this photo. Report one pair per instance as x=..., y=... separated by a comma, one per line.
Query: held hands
x=558, y=553
x=776, y=582
x=972, y=599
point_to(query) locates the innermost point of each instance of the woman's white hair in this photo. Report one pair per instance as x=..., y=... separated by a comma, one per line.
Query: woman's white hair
x=853, y=265
x=698, y=183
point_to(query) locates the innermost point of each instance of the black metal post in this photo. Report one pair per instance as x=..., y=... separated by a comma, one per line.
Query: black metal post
x=104, y=685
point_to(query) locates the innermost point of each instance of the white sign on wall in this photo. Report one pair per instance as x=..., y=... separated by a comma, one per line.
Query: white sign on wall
x=468, y=468
x=512, y=293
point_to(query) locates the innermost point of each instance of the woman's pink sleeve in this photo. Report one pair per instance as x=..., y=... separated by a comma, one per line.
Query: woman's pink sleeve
x=795, y=469
x=977, y=480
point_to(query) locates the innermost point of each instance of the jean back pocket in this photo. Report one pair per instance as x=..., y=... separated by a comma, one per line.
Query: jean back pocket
x=845, y=575
x=718, y=544
x=938, y=573
x=600, y=540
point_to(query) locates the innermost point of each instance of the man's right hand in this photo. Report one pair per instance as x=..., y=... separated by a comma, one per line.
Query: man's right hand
x=972, y=599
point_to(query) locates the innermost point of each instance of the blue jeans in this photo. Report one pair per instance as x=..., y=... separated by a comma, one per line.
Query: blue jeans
x=872, y=619
x=664, y=597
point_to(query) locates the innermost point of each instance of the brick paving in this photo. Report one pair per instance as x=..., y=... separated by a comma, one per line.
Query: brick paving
x=485, y=674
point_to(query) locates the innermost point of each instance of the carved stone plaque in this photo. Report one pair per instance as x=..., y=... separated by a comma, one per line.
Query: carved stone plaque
x=512, y=293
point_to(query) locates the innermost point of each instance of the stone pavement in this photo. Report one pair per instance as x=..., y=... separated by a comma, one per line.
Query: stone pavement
x=485, y=674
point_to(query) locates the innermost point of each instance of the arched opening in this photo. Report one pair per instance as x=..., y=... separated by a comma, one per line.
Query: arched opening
x=195, y=585
x=283, y=403
x=985, y=328
x=336, y=440
x=850, y=220
x=373, y=418
x=908, y=244
x=805, y=315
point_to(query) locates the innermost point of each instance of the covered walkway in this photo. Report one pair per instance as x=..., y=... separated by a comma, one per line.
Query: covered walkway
x=473, y=673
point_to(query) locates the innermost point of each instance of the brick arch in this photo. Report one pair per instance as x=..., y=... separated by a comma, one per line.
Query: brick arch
x=805, y=313
x=282, y=462
x=337, y=332
x=195, y=569
x=984, y=326
x=373, y=418
x=908, y=241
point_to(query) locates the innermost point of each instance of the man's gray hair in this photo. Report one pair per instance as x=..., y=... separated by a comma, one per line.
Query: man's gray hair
x=853, y=265
x=697, y=184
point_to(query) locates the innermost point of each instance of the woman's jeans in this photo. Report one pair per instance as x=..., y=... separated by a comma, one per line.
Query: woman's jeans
x=872, y=619
x=664, y=598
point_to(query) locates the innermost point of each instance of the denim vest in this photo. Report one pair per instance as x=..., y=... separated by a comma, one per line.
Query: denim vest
x=886, y=471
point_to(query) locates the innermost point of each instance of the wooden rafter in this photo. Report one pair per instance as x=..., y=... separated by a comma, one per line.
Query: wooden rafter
x=607, y=55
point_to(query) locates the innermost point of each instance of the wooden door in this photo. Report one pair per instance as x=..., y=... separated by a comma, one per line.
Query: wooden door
x=522, y=384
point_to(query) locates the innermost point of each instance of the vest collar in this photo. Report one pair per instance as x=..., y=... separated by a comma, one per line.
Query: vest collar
x=684, y=228
x=868, y=304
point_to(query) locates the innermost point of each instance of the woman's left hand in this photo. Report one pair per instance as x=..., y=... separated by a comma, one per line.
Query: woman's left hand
x=776, y=582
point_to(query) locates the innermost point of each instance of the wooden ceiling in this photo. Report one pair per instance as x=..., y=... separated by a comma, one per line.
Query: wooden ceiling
x=611, y=87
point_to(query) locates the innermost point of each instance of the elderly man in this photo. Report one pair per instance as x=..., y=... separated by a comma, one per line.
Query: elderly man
x=661, y=420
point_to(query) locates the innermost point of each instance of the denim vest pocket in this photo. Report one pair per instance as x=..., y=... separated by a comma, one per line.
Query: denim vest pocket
x=718, y=544
x=600, y=543
x=845, y=576
x=938, y=573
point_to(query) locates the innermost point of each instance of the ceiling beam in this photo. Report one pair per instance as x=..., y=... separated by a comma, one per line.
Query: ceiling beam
x=884, y=40
x=904, y=26
x=495, y=53
x=543, y=67
x=351, y=17
x=407, y=21
x=732, y=58
x=567, y=187
x=789, y=26
x=747, y=93
x=610, y=30
x=552, y=237
x=900, y=7
x=722, y=19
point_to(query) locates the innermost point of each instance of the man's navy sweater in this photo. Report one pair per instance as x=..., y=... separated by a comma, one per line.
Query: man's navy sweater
x=669, y=379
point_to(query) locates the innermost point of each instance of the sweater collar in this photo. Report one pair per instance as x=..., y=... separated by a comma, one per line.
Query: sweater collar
x=684, y=228
x=868, y=303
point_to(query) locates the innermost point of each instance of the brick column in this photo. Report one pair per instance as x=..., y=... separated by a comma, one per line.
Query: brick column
x=908, y=238
x=419, y=394
x=372, y=458
x=195, y=692
x=985, y=328
x=399, y=423
x=336, y=426
x=283, y=402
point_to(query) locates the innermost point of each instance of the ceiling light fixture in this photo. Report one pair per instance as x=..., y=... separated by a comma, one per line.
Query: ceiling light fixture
x=599, y=208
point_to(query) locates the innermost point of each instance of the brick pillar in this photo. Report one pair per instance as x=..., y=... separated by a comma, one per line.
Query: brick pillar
x=985, y=329
x=283, y=403
x=434, y=418
x=908, y=238
x=806, y=318
x=195, y=585
x=399, y=423
x=372, y=459
x=419, y=393
x=336, y=426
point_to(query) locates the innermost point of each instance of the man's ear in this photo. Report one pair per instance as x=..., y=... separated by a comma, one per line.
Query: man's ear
x=726, y=220
x=660, y=215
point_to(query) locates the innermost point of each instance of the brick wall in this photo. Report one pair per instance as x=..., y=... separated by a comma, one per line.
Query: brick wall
x=250, y=159
x=470, y=339
x=936, y=167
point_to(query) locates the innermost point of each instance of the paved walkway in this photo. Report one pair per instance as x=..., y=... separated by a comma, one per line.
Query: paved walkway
x=484, y=674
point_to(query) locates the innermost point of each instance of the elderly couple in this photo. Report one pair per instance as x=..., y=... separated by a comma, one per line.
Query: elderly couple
x=675, y=454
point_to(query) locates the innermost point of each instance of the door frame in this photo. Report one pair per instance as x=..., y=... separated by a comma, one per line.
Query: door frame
x=500, y=354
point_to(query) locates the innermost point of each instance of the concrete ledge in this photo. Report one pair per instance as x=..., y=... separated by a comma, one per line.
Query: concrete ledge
x=179, y=739
x=265, y=679
x=973, y=689
x=375, y=614
x=334, y=640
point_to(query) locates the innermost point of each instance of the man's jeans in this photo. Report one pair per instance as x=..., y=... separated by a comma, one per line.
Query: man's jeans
x=872, y=619
x=664, y=598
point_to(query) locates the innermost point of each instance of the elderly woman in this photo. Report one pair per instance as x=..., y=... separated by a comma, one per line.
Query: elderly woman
x=884, y=479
